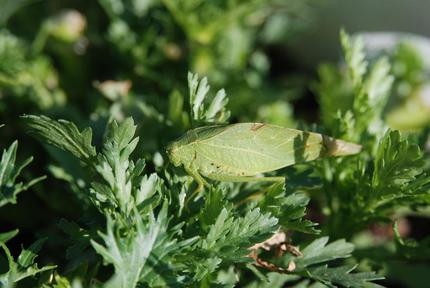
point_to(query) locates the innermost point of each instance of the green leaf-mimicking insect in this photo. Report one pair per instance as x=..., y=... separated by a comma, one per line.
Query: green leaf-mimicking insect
x=239, y=152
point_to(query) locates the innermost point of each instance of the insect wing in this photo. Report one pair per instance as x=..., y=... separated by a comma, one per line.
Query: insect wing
x=251, y=148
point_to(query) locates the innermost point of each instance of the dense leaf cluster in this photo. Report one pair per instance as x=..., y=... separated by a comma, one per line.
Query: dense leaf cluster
x=116, y=213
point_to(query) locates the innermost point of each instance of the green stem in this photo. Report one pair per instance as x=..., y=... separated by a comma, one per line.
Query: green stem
x=40, y=40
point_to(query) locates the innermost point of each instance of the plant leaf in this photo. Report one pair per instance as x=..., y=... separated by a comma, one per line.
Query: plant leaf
x=9, y=171
x=63, y=134
x=128, y=253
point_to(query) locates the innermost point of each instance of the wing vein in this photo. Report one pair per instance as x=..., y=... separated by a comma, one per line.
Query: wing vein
x=285, y=142
x=241, y=149
x=232, y=169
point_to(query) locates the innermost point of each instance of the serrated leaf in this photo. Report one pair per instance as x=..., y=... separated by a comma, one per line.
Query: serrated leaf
x=398, y=173
x=165, y=266
x=206, y=266
x=199, y=99
x=378, y=83
x=122, y=134
x=314, y=259
x=120, y=187
x=63, y=134
x=366, y=96
x=27, y=256
x=319, y=252
x=290, y=209
x=334, y=96
x=128, y=253
x=354, y=57
x=148, y=187
x=214, y=204
x=9, y=171
x=342, y=276
x=231, y=236
x=217, y=106
x=372, y=98
x=198, y=91
x=25, y=267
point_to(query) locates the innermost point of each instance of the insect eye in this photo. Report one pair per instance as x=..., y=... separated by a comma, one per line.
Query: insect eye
x=170, y=148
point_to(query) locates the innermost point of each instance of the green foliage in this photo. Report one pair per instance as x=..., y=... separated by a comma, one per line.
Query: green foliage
x=314, y=264
x=9, y=171
x=24, y=266
x=407, y=109
x=354, y=57
x=394, y=178
x=399, y=175
x=64, y=135
x=289, y=208
x=319, y=252
x=119, y=174
x=216, y=112
x=11, y=52
x=128, y=253
x=391, y=173
x=358, y=96
x=124, y=195
x=408, y=69
x=27, y=77
x=6, y=236
x=116, y=213
x=9, y=8
x=410, y=248
x=229, y=235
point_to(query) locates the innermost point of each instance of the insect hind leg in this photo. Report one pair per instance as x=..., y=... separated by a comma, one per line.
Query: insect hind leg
x=231, y=178
x=201, y=182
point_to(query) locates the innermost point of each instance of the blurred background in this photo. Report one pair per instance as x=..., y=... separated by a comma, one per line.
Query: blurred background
x=93, y=61
x=320, y=42
x=148, y=45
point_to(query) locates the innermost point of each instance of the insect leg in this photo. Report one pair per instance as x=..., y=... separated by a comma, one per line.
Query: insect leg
x=201, y=182
x=230, y=178
x=196, y=175
x=265, y=179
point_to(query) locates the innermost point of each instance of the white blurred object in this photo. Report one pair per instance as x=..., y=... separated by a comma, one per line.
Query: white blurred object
x=377, y=42
x=424, y=94
x=69, y=25
x=412, y=112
